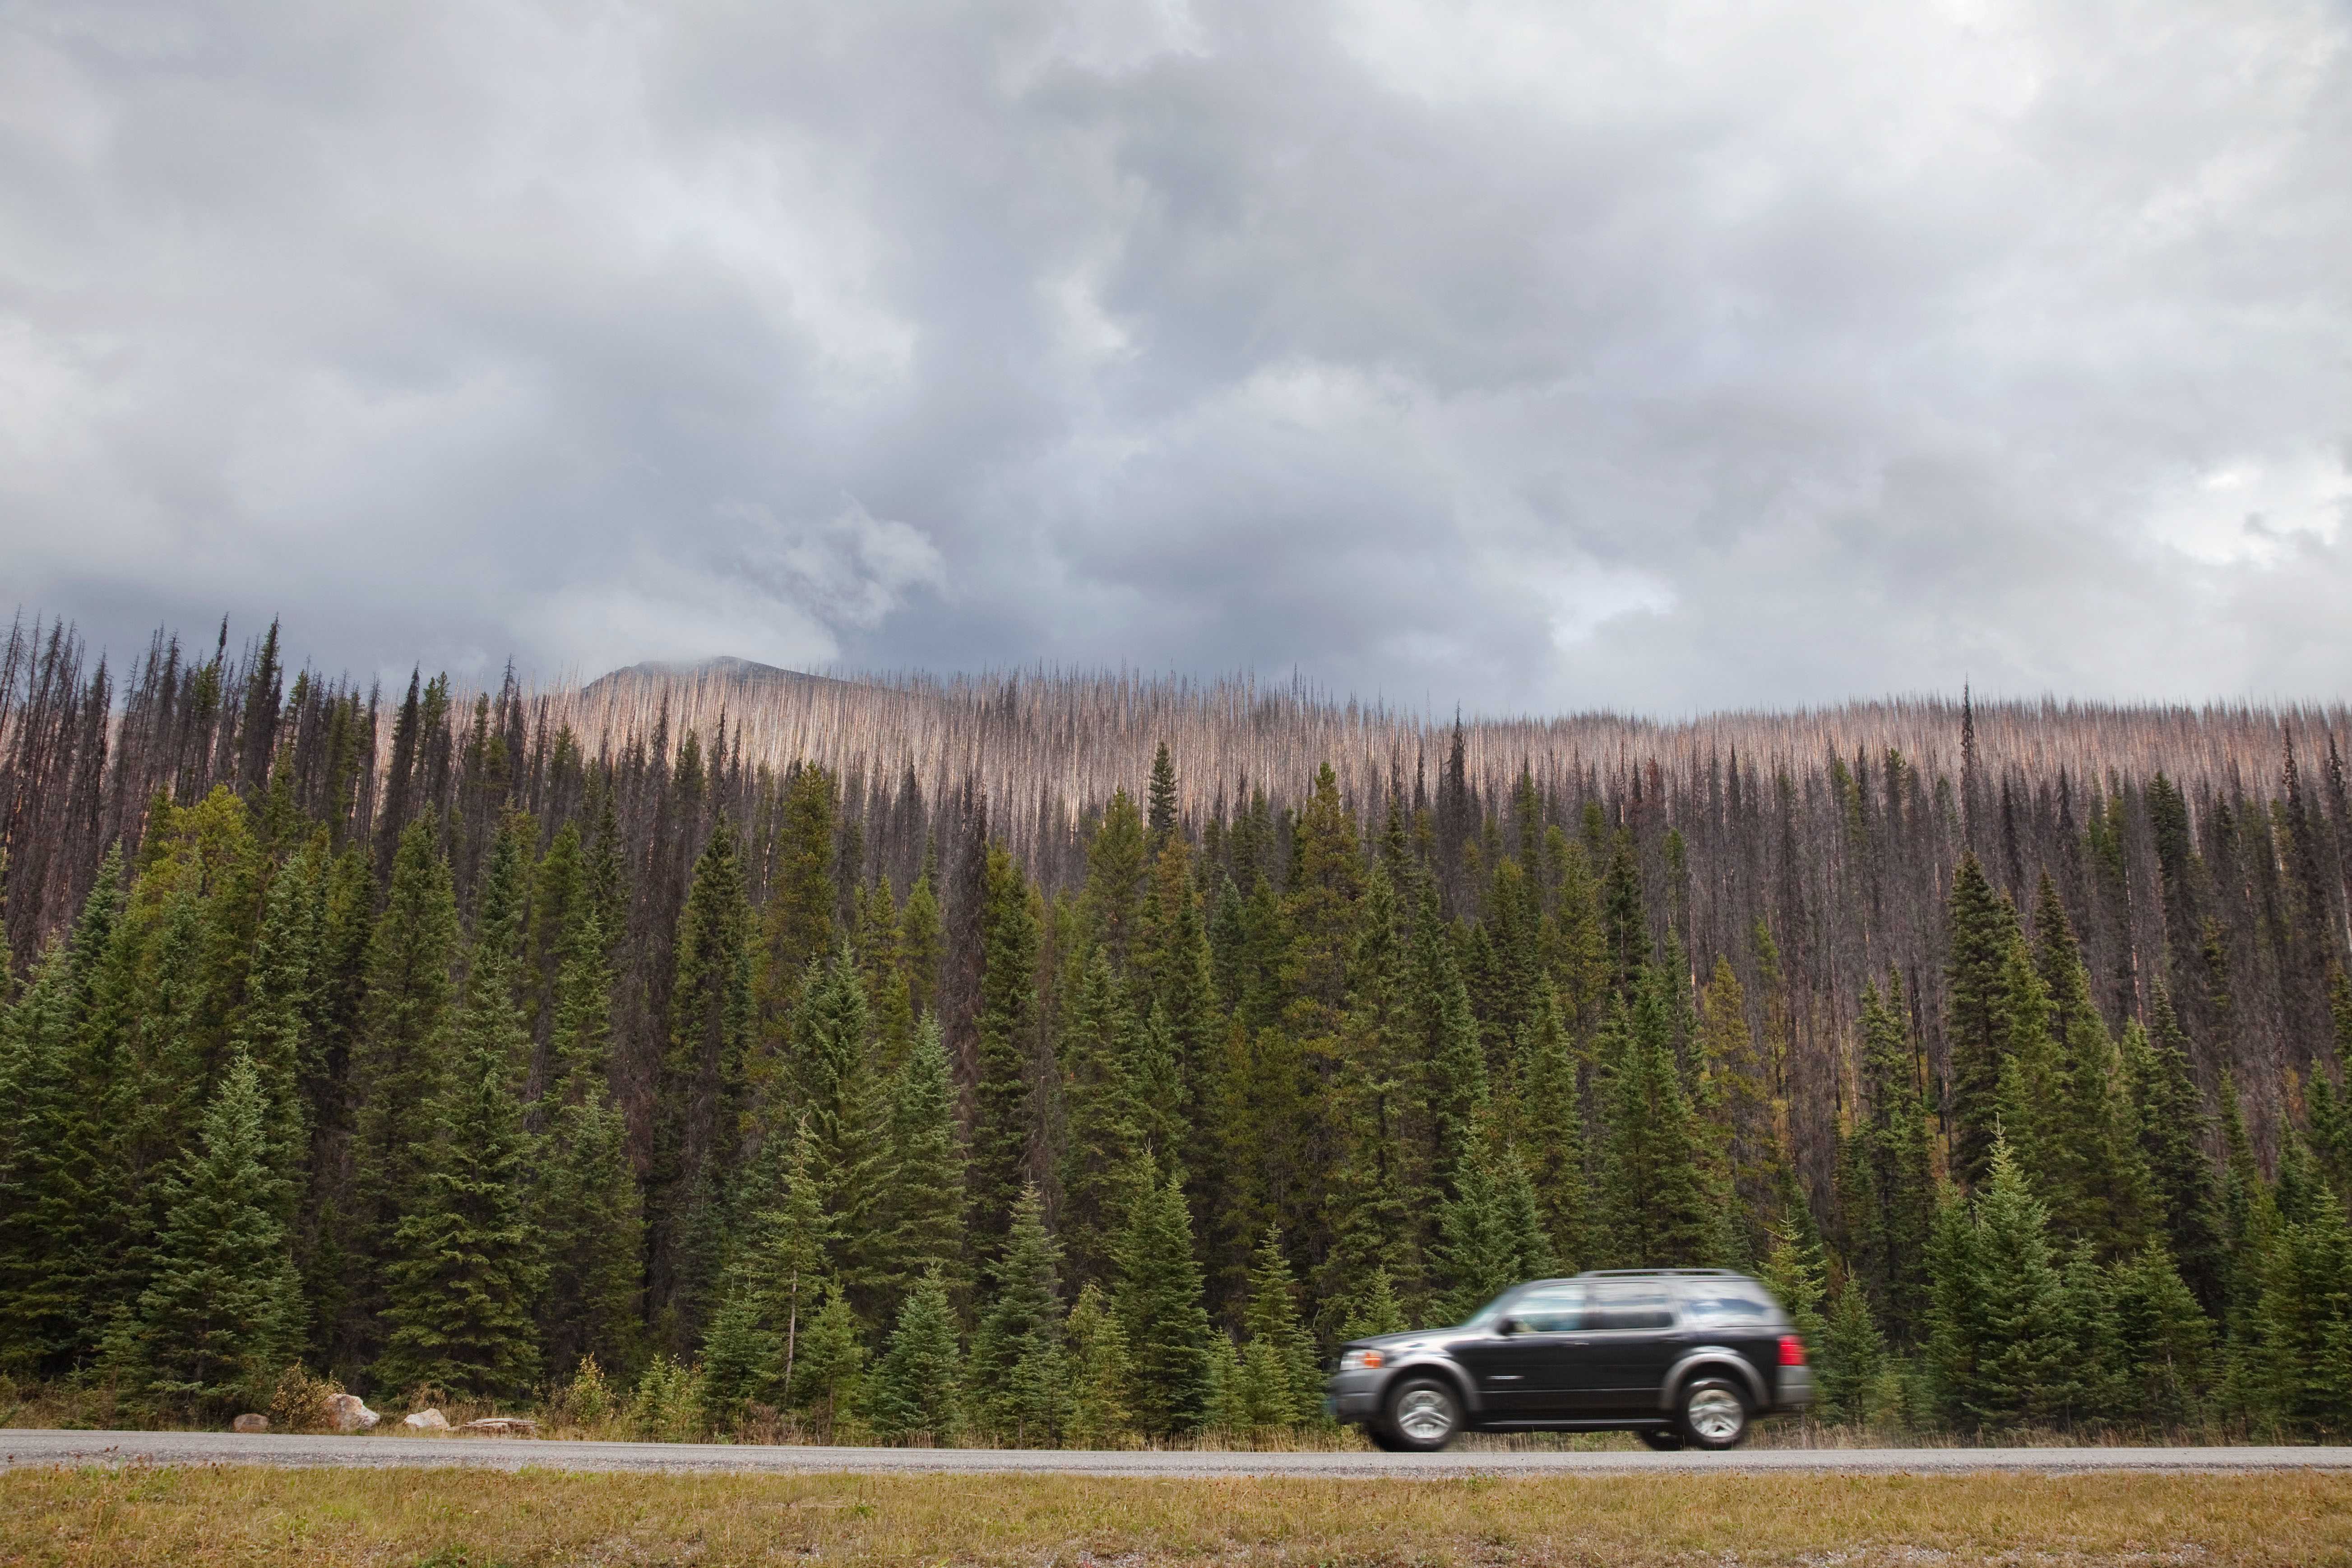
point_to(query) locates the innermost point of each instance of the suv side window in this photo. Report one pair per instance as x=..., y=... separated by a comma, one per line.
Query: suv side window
x=1550, y=1310
x=1629, y=1304
x=1734, y=1302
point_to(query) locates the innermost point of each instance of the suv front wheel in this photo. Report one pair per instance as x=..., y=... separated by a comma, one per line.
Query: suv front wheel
x=1714, y=1413
x=1423, y=1414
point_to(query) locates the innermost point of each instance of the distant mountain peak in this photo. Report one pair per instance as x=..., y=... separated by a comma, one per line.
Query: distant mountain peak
x=726, y=668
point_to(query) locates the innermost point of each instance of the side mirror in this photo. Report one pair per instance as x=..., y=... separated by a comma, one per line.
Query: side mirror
x=1510, y=1326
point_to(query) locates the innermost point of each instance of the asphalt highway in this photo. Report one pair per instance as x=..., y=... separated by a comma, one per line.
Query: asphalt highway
x=19, y=1448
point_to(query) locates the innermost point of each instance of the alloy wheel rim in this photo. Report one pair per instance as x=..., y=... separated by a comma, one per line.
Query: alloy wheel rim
x=1424, y=1415
x=1715, y=1414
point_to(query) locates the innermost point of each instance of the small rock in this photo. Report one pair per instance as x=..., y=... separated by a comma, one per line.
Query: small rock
x=426, y=1421
x=502, y=1426
x=249, y=1421
x=350, y=1412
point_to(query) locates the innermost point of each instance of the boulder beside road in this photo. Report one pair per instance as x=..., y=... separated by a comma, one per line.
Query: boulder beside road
x=426, y=1421
x=249, y=1421
x=501, y=1427
x=350, y=1412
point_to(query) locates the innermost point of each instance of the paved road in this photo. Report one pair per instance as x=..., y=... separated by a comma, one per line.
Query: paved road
x=19, y=1448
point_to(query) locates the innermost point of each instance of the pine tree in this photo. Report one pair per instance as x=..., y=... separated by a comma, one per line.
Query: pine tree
x=1659, y=1209
x=1854, y=1366
x=2000, y=1337
x=1982, y=933
x=919, y=944
x=916, y=1388
x=1285, y=1385
x=846, y=1112
x=1552, y=1113
x=56, y=1184
x=700, y=1091
x=832, y=1363
x=1001, y=1123
x=1020, y=1372
x=1158, y=1297
x=1374, y=1311
x=466, y=1266
x=592, y=1217
x=1117, y=859
x=274, y=1026
x=2174, y=1130
x=923, y=1208
x=1101, y=1114
x=1100, y=1374
x=223, y=1312
x=1161, y=819
x=405, y=1058
x=2163, y=1336
x=797, y=928
x=1885, y=1183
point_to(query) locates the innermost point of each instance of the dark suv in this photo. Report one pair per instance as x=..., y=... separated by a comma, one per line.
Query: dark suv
x=1677, y=1355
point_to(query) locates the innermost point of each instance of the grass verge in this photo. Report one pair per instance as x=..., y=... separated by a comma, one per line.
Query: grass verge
x=445, y=1519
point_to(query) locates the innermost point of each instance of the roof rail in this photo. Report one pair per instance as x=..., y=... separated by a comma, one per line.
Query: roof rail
x=1659, y=1273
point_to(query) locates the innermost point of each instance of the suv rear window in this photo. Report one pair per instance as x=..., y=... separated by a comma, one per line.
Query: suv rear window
x=1727, y=1302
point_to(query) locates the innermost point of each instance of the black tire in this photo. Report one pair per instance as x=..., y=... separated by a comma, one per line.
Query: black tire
x=1424, y=1415
x=1712, y=1413
x=1664, y=1439
x=1380, y=1437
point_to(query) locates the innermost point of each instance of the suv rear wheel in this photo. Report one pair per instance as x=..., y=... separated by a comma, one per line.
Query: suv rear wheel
x=1423, y=1414
x=1714, y=1413
x=1664, y=1439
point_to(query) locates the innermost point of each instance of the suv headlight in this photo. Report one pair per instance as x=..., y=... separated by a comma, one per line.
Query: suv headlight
x=1361, y=1361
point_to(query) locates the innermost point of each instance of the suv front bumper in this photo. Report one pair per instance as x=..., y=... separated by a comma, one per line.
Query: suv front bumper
x=1352, y=1395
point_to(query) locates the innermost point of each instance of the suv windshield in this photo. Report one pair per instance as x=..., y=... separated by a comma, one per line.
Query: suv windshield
x=1486, y=1315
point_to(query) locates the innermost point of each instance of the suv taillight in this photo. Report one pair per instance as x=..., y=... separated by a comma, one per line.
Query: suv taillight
x=1792, y=1351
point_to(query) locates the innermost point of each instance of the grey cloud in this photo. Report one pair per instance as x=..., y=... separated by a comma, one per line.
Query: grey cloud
x=1663, y=356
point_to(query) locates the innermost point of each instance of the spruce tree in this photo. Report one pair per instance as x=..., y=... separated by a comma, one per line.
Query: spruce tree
x=1101, y=1109
x=1000, y=1122
x=405, y=1059
x=1117, y=860
x=1101, y=1374
x=222, y=1313
x=2174, y=1130
x=2004, y=1347
x=1020, y=1373
x=1982, y=930
x=466, y=1266
x=1161, y=819
x=831, y=1365
x=698, y=1093
x=273, y=1029
x=924, y=1205
x=845, y=1107
x=797, y=929
x=1278, y=1361
x=916, y=1389
x=1885, y=1183
x=1552, y=1113
x=2164, y=1339
x=1659, y=1210
x=1158, y=1297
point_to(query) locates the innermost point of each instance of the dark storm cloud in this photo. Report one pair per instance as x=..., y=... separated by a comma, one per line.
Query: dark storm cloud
x=1660, y=355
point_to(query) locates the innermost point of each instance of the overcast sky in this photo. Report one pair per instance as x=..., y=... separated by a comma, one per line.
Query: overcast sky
x=1654, y=355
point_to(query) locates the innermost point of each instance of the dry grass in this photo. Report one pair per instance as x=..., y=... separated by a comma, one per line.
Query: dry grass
x=206, y=1517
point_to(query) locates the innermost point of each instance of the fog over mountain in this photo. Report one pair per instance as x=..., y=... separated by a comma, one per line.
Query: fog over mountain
x=1665, y=357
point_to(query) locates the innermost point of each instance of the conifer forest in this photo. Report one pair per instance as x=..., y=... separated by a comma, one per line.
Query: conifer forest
x=1058, y=1058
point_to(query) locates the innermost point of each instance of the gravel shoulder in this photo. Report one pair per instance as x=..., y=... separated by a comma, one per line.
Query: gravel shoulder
x=23, y=1448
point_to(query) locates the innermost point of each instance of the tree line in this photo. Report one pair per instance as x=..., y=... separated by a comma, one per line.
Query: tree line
x=491, y=1066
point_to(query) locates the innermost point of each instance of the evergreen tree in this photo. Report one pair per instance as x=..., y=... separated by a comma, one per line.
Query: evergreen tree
x=1100, y=1372
x=832, y=1363
x=1101, y=1131
x=846, y=1113
x=1552, y=1112
x=1660, y=1211
x=1001, y=1123
x=1886, y=1185
x=1117, y=859
x=916, y=1388
x=1158, y=1297
x=1854, y=1366
x=466, y=1266
x=1278, y=1367
x=1981, y=933
x=222, y=1313
x=2164, y=1339
x=924, y=1207
x=274, y=1026
x=2174, y=1130
x=1019, y=1371
x=405, y=1057
x=2000, y=1333
x=797, y=929
x=700, y=1091
x=1162, y=796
